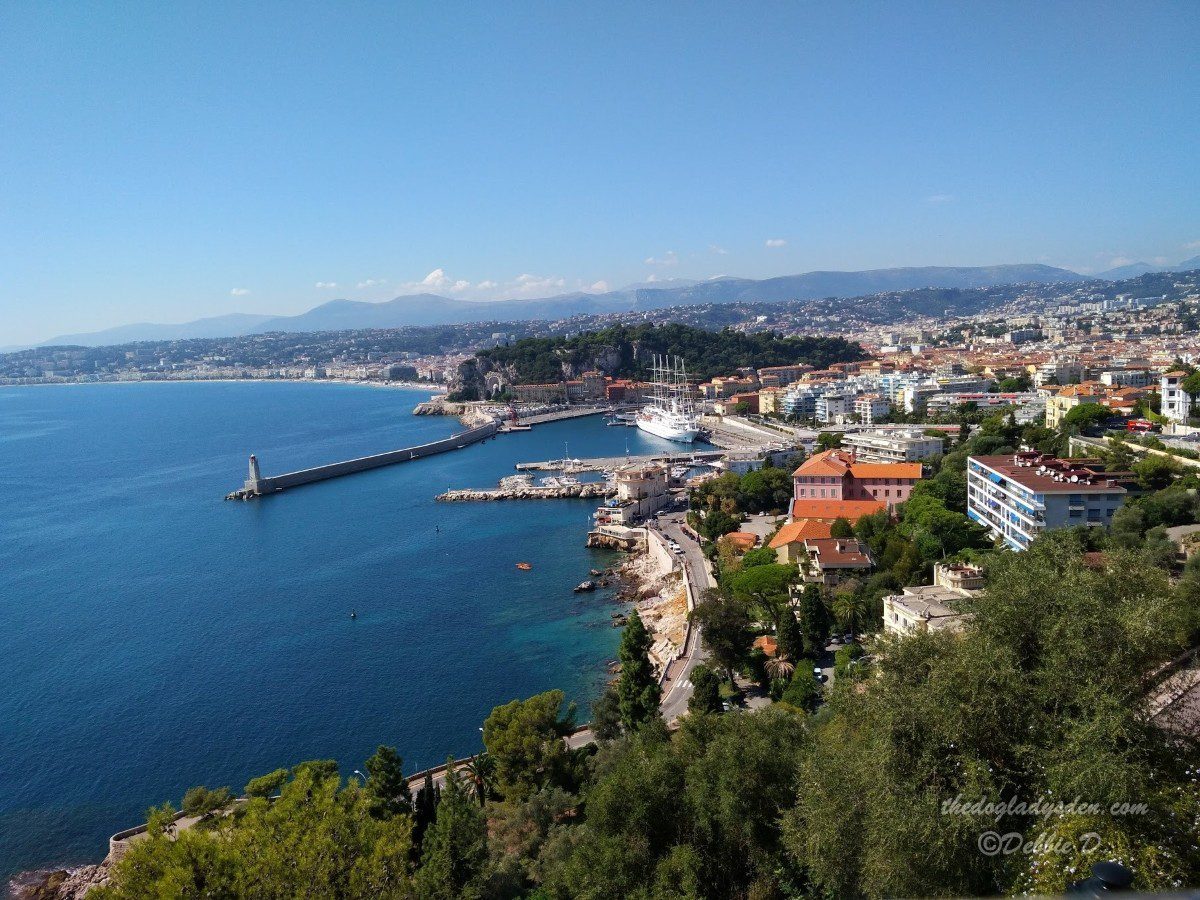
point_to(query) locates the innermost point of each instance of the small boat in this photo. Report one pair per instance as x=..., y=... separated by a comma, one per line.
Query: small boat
x=353, y=614
x=585, y=586
x=524, y=566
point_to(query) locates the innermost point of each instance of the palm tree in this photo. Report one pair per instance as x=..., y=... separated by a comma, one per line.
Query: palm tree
x=480, y=771
x=849, y=608
x=780, y=667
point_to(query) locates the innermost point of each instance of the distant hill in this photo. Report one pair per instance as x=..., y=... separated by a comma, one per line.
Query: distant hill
x=1133, y=270
x=230, y=325
x=433, y=309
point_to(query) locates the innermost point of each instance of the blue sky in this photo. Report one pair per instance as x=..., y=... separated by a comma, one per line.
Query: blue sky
x=163, y=161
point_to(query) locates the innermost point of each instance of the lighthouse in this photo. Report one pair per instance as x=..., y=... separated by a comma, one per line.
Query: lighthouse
x=254, y=480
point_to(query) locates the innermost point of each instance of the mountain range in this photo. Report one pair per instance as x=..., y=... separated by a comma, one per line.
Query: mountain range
x=1133, y=270
x=434, y=309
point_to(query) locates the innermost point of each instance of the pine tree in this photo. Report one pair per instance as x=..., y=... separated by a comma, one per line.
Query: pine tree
x=455, y=847
x=638, y=690
x=387, y=785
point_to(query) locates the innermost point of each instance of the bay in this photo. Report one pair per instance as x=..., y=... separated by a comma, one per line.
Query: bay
x=154, y=636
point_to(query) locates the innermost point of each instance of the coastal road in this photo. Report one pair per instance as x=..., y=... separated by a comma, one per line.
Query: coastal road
x=679, y=691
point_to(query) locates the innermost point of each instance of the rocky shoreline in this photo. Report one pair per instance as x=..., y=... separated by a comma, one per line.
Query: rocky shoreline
x=660, y=598
x=72, y=883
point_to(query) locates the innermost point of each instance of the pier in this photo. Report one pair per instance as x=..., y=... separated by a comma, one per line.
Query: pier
x=608, y=463
x=593, y=490
x=259, y=485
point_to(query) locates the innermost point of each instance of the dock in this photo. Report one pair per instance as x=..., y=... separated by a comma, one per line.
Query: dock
x=608, y=463
x=259, y=485
x=593, y=490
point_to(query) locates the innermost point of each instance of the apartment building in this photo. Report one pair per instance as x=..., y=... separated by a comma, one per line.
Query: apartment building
x=892, y=446
x=1176, y=402
x=870, y=408
x=1018, y=497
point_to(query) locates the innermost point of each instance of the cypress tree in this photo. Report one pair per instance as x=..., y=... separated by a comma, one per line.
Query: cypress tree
x=637, y=691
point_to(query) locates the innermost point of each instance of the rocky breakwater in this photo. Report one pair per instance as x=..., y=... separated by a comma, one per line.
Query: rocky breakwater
x=589, y=491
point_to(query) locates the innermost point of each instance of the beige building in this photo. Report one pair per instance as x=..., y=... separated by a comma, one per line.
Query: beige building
x=927, y=607
x=641, y=492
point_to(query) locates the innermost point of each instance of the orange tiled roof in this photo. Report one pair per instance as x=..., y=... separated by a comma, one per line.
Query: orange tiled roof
x=829, y=462
x=799, y=530
x=838, y=462
x=745, y=540
x=828, y=510
x=767, y=644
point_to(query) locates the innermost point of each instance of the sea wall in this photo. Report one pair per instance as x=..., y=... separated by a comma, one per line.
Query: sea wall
x=271, y=484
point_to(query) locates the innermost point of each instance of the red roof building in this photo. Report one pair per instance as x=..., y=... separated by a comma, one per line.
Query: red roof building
x=837, y=475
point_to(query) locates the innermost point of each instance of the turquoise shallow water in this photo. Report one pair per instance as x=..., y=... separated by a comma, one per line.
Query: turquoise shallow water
x=153, y=636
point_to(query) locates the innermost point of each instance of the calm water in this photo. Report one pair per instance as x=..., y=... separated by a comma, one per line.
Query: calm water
x=153, y=636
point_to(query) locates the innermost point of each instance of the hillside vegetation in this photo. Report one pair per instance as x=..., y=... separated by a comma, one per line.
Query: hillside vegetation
x=626, y=351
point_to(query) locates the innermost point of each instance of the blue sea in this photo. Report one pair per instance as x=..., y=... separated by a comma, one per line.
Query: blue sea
x=154, y=636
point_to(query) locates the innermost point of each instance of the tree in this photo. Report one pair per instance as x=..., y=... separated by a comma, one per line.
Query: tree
x=841, y=528
x=802, y=691
x=718, y=523
x=759, y=556
x=455, y=847
x=386, y=783
x=201, y=802
x=1156, y=472
x=706, y=690
x=480, y=773
x=725, y=629
x=606, y=715
x=790, y=635
x=829, y=440
x=814, y=616
x=1191, y=385
x=638, y=692
x=425, y=808
x=766, y=586
x=266, y=785
x=1086, y=416
x=780, y=667
x=850, y=608
x=525, y=737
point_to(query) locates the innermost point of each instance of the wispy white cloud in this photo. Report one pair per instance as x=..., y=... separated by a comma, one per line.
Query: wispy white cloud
x=776, y=242
x=325, y=285
x=720, y=251
x=487, y=285
x=238, y=292
x=1119, y=261
x=371, y=282
x=599, y=287
x=1192, y=245
x=940, y=198
x=670, y=258
x=1159, y=260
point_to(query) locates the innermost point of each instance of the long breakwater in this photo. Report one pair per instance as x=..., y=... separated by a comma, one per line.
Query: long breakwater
x=258, y=485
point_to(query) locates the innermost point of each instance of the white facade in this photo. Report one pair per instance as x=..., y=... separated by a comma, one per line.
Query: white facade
x=1176, y=404
x=892, y=446
x=1018, y=497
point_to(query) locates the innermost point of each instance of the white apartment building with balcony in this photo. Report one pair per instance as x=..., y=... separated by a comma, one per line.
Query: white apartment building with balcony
x=892, y=446
x=1176, y=402
x=1018, y=497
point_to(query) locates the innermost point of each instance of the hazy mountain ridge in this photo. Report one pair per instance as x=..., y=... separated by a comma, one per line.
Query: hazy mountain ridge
x=1133, y=270
x=434, y=309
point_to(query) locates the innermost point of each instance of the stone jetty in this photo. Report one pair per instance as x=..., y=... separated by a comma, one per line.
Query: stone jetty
x=589, y=491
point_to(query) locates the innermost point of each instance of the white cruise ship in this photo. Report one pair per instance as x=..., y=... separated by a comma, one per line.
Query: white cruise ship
x=670, y=413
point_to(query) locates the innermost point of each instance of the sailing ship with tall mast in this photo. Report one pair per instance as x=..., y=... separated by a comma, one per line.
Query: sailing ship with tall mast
x=671, y=412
